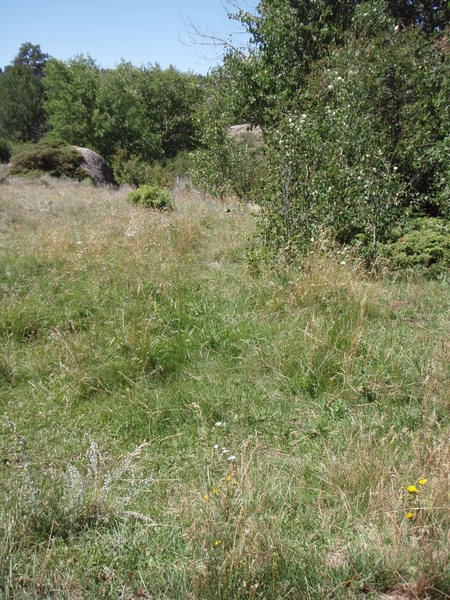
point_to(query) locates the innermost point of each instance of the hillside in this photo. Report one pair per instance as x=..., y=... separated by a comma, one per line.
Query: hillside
x=179, y=422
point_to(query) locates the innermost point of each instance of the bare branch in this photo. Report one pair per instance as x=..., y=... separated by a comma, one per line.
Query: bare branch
x=199, y=36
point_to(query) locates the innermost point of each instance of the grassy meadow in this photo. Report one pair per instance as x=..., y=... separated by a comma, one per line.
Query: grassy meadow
x=178, y=422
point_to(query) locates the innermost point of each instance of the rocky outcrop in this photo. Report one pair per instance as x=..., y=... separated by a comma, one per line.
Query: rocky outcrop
x=243, y=130
x=96, y=166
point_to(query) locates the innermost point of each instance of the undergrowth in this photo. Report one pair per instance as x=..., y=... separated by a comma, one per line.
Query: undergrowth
x=281, y=417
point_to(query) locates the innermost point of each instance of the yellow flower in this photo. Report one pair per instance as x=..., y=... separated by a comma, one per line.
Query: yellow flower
x=228, y=477
x=215, y=490
x=216, y=543
x=206, y=497
x=423, y=481
x=409, y=515
x=412, y=489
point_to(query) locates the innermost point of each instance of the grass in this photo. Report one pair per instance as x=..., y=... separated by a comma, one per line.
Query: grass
x=133, y=342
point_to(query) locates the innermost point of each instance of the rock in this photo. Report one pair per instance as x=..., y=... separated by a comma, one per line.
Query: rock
x=240, y=131
x=96, y=166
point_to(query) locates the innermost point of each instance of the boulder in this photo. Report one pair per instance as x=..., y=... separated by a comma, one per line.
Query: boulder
x=96, y=166
x=243, y=130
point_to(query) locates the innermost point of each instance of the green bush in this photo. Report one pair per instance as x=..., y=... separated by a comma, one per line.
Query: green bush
x=152, y=196
x=424, y=245
x=54, y=158
x=5, y=151
x=135, y=170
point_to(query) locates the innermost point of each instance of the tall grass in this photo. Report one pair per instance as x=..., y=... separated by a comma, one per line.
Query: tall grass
x=140, y=352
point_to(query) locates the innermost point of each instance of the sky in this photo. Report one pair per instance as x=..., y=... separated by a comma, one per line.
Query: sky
x=139, y=31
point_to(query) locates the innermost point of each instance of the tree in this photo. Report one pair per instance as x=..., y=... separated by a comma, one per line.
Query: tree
x=354, y=104
x=171, y=99
x=124, y=122
x=288, y=36
x=21, y=111
x=32, y=57
x=71, y=103
x=22, y=115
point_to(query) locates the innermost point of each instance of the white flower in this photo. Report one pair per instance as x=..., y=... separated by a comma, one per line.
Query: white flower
x=216, y=446
x=231, y=458
x=218, y=424
x=342, y=262
x=225, y=451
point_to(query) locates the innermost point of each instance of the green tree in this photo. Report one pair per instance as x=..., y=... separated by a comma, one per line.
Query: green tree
x=32, y=57
x=71, y=103
x=367, y=145
x=21, y=111
x=124, y=121
x=171, y=99
x=22, y=115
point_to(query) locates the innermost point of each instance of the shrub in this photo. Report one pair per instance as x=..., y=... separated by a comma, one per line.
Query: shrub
x=54, y=158
x=424, y=245
x=133, y=169
x=152, y=196
x=5, y=151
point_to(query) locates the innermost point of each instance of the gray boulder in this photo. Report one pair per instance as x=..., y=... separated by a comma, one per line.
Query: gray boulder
x=246, y=130
x=96, y=166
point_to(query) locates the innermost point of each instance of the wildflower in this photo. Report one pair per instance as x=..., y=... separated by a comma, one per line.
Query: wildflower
x=409, y=515
x=423, y=481
x=228, y=478
x=215, y=490
x=412, y=489
x=231, y=458
x=217, y=543
x=216, y=446
x=225, y=451
x=206, y=497
x=218, y=424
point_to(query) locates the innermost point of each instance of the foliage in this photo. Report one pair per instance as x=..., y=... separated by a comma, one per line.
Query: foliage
x=171, y=99
x=288, y=36
x=124, y=121
x=134, y=170
x=5, y=150
x=32, y=57
x=21, y=110
x=22, y=115
x=356, y=128
x=225, y=165
x=145, y=111
x=55, y=158
x=424, y=245
x=71, y=90
x=151, y=196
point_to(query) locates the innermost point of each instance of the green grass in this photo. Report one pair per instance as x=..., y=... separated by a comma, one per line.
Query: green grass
x=123, y=328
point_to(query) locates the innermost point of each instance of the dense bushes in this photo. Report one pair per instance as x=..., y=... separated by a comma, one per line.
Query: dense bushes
x=151, y=196
x=356, y=132
x=136, y=171
x=54, y=158
x=144, y=111
x=424, y=245
x=5, y=151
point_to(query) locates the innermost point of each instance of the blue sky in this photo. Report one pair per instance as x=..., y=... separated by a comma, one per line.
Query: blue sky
x=141, y=31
